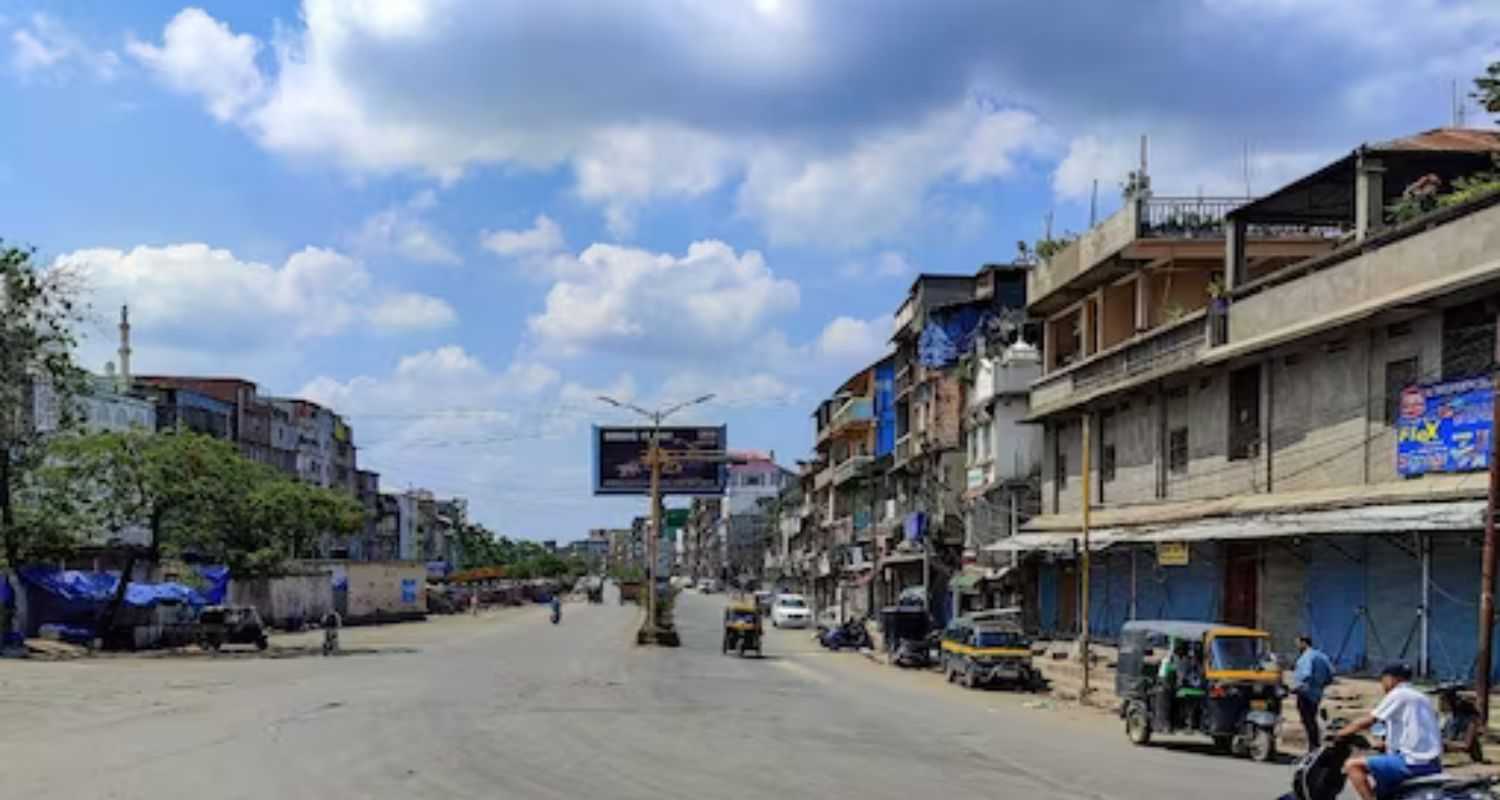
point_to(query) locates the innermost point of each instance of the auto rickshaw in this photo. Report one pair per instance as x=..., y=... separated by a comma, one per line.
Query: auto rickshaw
x=742, y=629
x=904, y=630
x=1200, y=677
x=221, y=625
x=982, y=651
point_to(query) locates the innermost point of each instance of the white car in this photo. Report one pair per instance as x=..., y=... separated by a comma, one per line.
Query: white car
x=790, y=611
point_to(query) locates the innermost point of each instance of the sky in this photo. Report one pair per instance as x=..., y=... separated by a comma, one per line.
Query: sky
x=458, y=223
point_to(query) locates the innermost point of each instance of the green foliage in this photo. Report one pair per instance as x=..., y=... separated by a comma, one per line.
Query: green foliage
x=1426, y=194
x=195, y=494
x=1487, y=89
x=522, y=559
x=38, y=314
x=1044, y=249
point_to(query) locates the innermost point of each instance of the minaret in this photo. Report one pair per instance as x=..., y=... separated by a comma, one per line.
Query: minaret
x=125, y=348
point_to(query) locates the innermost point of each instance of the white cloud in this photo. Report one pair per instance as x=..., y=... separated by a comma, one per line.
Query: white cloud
x=210, y=300
x=543, y=238
x=199, y=55
x=877, y=189
x=618, y=299
x=401, y=231
x=410, y=311
x=731, y=389
x=1089, y=159
x=45, y=46
x=622, y=167
x=855, y=341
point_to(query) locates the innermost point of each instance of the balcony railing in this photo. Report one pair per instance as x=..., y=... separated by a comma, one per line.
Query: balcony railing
x=903, y=380
x=850, y=468
x=903, y=450
x=1186, y=217
x=842, y=530
x=823, y=479
x=854, y=410
x=1169, y=347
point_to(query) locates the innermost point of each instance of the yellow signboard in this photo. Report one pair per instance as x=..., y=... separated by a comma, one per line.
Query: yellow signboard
x=1172, y=554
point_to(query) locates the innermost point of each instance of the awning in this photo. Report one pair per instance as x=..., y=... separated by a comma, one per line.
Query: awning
x=966, y=582
x=1441, y=517
x=900, y=559
x=1049, y=542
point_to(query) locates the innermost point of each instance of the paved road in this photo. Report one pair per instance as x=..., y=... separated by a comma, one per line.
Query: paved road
x=507, y=705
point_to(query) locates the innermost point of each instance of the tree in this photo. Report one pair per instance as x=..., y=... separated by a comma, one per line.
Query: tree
x=1487, y=89
x=38, y=383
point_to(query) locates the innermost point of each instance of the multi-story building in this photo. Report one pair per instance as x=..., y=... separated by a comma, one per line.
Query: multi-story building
x=261, y=434
x=1003, y=462
x=754, y=480
x=1298, y=444
x=702, y=550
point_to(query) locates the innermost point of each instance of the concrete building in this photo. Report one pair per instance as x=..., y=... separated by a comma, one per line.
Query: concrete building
x=1303, y=450
x=1003, y=462
x=743, y=526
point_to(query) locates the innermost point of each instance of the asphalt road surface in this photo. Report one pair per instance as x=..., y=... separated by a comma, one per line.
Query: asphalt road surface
x=509, y=706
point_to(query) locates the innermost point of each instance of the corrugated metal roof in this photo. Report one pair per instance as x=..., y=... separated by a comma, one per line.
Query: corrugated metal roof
x=1443, y=140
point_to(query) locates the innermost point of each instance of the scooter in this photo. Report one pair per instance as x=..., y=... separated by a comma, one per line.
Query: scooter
x=1319, y=775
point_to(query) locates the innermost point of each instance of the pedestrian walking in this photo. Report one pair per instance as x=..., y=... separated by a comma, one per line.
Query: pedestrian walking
x=1312, y=675
x=331, y=624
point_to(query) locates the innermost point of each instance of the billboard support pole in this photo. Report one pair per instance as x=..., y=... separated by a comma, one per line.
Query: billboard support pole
x=1487, y=571
x=654, y=455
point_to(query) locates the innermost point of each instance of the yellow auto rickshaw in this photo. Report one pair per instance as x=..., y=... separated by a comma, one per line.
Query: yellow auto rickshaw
x=1198, y=677
x=742, y=631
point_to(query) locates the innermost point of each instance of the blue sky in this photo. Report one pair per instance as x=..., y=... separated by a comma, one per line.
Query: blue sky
x=457, y=222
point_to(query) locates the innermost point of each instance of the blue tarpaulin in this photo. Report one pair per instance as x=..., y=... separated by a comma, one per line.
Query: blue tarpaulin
x=949, y=333
x=75, y=587
x=217, y=584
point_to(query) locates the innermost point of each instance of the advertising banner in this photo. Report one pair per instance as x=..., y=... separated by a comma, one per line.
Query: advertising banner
x=620, y=460
x=1445, y=427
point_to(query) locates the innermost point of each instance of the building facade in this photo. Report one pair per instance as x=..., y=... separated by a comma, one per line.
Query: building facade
x=1304, y=451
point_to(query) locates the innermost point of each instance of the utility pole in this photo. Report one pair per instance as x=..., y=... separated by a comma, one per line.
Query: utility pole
x=656, y=458
x=1487, y=579
x=1084, y=562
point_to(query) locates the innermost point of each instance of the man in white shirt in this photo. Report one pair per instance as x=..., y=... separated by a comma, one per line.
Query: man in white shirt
x=1413, y=738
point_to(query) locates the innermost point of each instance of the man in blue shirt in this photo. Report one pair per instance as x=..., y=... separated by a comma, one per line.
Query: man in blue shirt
x=1313, y=674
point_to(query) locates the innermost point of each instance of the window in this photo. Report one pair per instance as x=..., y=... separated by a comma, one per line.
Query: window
x=1398, y=375
x=1062, y=471
x=1468, y=341
x=1177, y=451
x=1107, y=463
x=1244, y=413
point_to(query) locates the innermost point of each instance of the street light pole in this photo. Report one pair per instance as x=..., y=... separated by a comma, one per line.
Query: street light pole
x=655, y=459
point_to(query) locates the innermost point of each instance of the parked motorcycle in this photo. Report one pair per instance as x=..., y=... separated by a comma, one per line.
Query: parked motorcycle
x=1460, y=720
x=851, y=634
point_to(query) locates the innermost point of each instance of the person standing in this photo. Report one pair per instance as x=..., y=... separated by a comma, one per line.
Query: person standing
x=1413, y=738
x=1311, y=676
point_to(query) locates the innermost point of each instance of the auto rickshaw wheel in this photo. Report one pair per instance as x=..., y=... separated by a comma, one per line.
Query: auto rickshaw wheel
x=724, y=646
x=262, y=643
x=744, y=645
x=1262, y=745
x=1137, y=725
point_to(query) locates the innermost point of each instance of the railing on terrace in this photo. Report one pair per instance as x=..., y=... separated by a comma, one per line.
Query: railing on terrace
x=1203, y=218
x=1187, y=217
x=850, y=467
x=1170, y=345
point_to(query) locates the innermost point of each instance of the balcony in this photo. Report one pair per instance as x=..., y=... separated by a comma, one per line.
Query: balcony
x=854, y=411
x=1432, y=255
x=823, y=479
x=850, y=468
x=1145, y=357
x=842, y=530
x=1150, y=228
x=903, y=452
x=903, y=379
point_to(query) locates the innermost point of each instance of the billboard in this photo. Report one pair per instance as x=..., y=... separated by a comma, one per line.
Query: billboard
x=620, y=460
x=1445, y=427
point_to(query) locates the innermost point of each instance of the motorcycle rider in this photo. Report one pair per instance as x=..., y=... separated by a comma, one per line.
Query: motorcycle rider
x=1413, y=738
